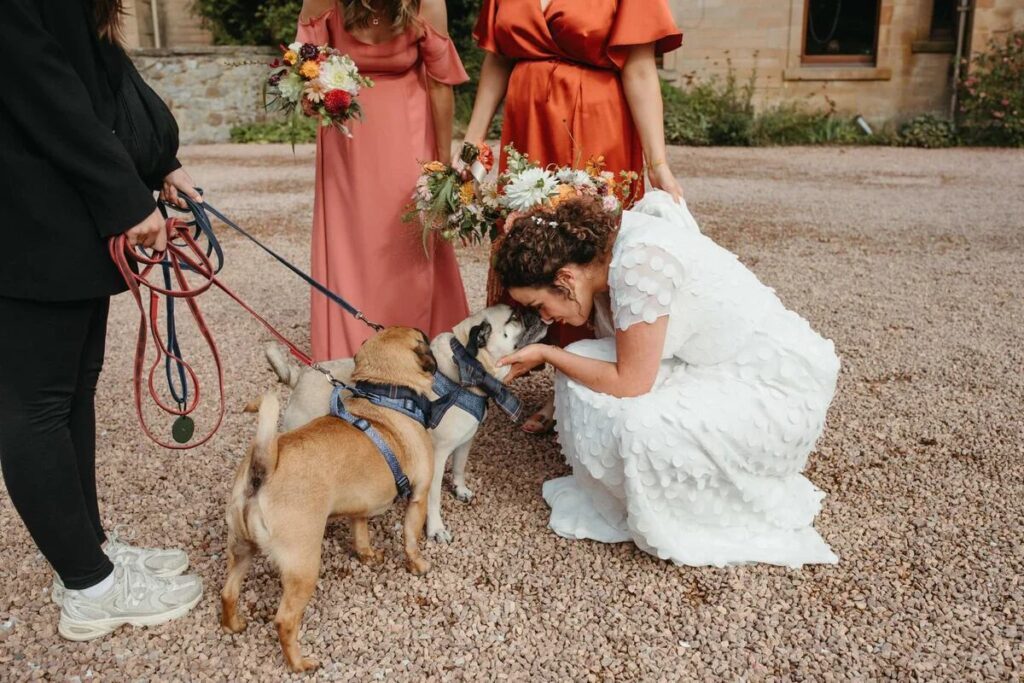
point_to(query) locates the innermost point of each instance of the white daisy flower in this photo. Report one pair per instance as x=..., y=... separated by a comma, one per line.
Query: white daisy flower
x=528, y=189
x=336, y=75
x=291, y=86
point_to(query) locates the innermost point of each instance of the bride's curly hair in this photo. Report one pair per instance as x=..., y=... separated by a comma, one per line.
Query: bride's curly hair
x=544, y=240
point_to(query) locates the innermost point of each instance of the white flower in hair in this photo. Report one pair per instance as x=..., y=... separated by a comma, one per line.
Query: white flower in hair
x=529, y=188
x=574, y=177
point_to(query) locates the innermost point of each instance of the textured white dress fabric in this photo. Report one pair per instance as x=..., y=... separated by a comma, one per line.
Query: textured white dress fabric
x=705, y=469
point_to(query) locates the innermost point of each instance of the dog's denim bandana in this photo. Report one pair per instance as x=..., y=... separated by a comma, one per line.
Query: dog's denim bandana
x=404, y=405
x=471, y=374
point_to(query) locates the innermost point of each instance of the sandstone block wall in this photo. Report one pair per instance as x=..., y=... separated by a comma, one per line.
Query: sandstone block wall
x=209, y=89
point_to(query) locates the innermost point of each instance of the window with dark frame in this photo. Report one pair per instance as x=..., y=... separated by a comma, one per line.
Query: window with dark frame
x=841, y=31
x=943, y=20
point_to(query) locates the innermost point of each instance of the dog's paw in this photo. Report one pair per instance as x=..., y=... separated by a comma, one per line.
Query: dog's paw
x=463, y=493
x=371, y=556
x=303, y=665
x=440, y=535
x=235, y=624
x=418, y=565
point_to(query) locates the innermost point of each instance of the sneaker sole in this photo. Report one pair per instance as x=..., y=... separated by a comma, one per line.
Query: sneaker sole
x=90, y=630
x=57, y=592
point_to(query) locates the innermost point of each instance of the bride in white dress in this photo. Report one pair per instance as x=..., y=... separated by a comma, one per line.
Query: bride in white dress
x=689, y=420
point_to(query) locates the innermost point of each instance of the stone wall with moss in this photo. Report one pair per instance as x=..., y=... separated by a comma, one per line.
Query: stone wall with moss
x=209, y=89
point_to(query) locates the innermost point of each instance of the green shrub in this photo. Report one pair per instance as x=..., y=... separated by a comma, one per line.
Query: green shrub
x=714, y=112
x=991, y=110
x=298, y=130
x=720, y=112
x=927, y=131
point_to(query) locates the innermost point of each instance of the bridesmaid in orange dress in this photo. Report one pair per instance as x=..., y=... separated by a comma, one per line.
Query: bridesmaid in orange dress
x=579, y=80
x=361, y=248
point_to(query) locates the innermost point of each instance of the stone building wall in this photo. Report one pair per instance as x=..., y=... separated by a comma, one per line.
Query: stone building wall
x=209, y=89
x=910, y=75
x=995, y=19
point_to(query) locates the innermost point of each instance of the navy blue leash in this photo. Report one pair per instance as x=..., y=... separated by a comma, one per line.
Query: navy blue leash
x=202, y=226
x=203, y=221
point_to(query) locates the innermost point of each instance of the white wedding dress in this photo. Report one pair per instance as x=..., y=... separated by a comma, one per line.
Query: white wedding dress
x=705, y=469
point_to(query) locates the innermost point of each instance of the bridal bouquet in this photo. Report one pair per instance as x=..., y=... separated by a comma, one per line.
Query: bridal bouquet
x=320, y=82
x=471, y=209
x=453, y=206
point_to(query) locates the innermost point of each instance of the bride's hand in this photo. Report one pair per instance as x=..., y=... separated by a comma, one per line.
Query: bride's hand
x=661, y=178
x=524, y=360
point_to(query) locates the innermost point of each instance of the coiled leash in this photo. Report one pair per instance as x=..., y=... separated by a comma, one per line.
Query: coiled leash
x=184, y=253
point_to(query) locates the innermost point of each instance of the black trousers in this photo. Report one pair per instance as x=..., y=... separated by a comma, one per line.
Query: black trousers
x=51, y=354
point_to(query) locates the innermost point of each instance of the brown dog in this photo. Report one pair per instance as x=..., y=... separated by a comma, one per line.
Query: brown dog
x=289, y=485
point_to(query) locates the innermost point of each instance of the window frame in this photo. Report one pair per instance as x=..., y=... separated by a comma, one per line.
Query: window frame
x=837, y=60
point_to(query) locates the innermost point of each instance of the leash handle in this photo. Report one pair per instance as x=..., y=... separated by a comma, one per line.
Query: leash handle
x=123, y=254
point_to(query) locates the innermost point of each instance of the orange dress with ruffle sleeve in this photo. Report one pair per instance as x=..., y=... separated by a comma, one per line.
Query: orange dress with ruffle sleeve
x=360, y=246
x=565, y=104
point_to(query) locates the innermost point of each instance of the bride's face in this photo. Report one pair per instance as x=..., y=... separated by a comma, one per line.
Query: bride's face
x=569, y=300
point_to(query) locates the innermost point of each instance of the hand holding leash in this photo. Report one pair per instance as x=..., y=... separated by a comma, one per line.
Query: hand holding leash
x=150, y=233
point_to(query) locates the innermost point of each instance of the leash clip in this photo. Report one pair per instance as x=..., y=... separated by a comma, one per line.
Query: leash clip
x=327, y=373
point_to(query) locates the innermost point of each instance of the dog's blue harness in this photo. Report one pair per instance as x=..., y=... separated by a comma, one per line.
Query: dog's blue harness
x=416, y=406
x=471, y=374
x=399, y=399
x=452, y=394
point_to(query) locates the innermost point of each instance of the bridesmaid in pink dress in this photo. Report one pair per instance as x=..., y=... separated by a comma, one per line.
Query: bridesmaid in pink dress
x=361, y=248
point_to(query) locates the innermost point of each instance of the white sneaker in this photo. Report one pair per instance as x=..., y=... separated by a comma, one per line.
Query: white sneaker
x=155, y=561
x=136, y=598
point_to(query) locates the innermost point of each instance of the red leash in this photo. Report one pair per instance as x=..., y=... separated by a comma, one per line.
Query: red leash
x=183, y=253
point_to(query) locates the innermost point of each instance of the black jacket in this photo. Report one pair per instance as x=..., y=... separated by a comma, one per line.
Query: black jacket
x=66, y=181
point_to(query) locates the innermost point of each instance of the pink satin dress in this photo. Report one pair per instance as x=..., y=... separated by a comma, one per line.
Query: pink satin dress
x=361, y=249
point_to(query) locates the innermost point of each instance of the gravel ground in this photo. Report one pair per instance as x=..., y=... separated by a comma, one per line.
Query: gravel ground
x=910, y=260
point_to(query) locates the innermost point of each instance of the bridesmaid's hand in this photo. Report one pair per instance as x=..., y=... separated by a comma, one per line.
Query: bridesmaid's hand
x=179, y=181
x=661, y=177
x=524, y=360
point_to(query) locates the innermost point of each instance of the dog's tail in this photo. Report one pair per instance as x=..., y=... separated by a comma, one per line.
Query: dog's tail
x=287, y=371
x=264, y=448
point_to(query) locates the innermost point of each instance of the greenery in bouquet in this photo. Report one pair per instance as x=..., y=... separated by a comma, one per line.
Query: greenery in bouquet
x=455, y=208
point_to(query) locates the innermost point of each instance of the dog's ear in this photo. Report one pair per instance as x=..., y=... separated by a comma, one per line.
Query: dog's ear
x=478, y=337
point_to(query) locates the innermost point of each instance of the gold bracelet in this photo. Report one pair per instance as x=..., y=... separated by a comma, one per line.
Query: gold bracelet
x=659, y=162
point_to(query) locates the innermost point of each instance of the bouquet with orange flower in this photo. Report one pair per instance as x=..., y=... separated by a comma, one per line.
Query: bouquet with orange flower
x=470, y=209
x=450, y=205
x=320, y=82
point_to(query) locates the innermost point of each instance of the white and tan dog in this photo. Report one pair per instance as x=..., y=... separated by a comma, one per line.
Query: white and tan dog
x=489, y=334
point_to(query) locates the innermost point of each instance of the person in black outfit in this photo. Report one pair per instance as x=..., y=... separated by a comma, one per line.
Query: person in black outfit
x=68, y=185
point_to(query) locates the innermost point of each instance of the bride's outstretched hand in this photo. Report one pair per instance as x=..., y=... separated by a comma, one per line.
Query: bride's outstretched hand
x=661, y=178
x=524, y=360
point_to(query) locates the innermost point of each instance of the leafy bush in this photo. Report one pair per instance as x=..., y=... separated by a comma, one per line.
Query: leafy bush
x=991, y=110
x=299, y=130
x=250, y=22
x=720, y=112
x=927, y=131
x=714, y=112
